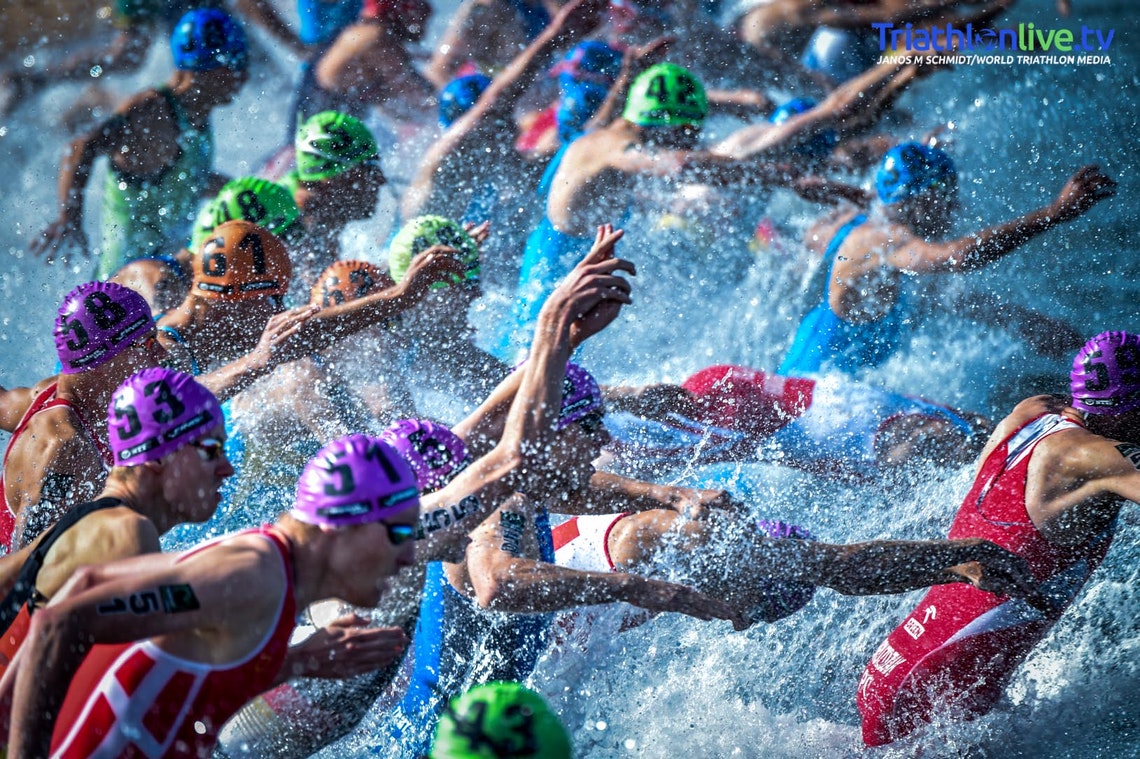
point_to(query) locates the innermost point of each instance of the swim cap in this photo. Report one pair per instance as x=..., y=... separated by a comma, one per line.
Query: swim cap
x=783, y=597
x=500, y=719
x=434, y=452
x=577, y=105
x=354, y=480
x=96, y=321
x=820, y=145
x=581, y=396
x=1106, y=374
x=666, y=95
x=423, y=232
x=346, y=281
x=330, y=143
x=911, y=168
x=745, y=400
x=157, y=411
x=207, y=38
x=267, y=204
x=460, y=96
x=589, y=61
x=240, y=261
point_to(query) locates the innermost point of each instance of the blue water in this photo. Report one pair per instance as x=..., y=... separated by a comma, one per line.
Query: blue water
x=679, y=687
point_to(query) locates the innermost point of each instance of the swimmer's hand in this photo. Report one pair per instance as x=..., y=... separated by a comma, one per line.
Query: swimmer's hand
x=996, y=570
x=438, y=263
x=1063, y=7
x=53, y=241
x=277, y=344
x=659, y=596
x=479, y=232
x=1083, y=190
x=592, y=294
x=347, y=647
x=696, y=504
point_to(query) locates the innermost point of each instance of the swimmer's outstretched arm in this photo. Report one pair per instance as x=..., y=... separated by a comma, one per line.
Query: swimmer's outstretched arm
x=1084, y=189
x=895, y=566
x=265, y=15
x=609, y=493
x=74, y=173
x=584, y=303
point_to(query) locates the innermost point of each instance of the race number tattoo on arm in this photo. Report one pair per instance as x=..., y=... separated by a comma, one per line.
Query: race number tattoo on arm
x=512, y=525
x=169, y=599
x=1130, y=451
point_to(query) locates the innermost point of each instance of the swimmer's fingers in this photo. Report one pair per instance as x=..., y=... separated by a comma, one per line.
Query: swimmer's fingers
x=604, y=241
x=347, y=647
x=478, y=232
x=1088, y=186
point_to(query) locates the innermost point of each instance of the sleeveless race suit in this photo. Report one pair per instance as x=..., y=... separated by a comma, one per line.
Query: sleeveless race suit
x=960, y=645
x=16, y=608
x=135, y=699
x=44, y=401
x=549, y=256
x=823, y=339
x=582, y=543
x=457, y=645
x=148, y=216
x=828, y=422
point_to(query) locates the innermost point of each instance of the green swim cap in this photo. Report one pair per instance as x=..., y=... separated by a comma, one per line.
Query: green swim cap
x=666, y=95
x=266, y=204
x=331, y=143
x=500, y=720
x=421, y=233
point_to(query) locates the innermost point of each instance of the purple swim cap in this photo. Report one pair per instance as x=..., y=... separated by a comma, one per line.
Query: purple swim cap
x=435, y=453
x=782, y=597
x=354, y=480
x=157, y=411
x=581, y=396
x=1106, y=374
x=96, y=322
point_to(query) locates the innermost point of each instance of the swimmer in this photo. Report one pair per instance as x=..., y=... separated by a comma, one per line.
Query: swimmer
x=350, y=528
x=337, y=181
x=1050, y=484
x=486, y=603
x=860, y=318
x=160, y=148
x=267, y=204
x=436, y=335
x=367, y=64
x=828, y=426
x=58, y=455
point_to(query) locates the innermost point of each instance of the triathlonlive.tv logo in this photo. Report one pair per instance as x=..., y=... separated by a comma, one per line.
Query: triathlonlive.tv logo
x=1092, y=44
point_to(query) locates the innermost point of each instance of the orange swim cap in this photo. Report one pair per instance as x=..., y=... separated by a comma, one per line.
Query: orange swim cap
x=346, y=281
x=240, y=261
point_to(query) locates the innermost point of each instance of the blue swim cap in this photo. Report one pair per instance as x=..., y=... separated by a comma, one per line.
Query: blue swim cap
x=460, y=96
x=820, y=145
x=911, y=168
x=578, y=104
x=208, y=38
